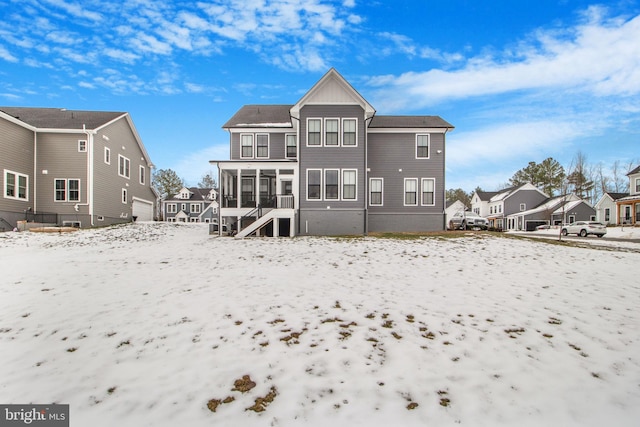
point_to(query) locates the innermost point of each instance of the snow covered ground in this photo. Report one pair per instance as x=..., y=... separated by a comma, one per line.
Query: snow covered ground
x=154, y=324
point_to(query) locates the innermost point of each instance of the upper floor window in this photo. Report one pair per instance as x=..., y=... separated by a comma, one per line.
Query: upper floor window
x=349, y=132
x=331, y=132
x=291, y=146
x=428, y=191
x=262, y=145
x=142, y=175
x=314, y=131
x=349, y=184
x=82, y=146
x=67, y=190
x=375, y=191
x=410, y=191
x=124, y=166
x=637, y=185
x=246, y=146
x=16, y=185
x=195, y=207
x=523, y=207
x=107, y=155
x=422, y=146
x=172, y=208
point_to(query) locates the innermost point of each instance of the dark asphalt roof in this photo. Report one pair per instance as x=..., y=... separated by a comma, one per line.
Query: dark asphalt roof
x=60, y=118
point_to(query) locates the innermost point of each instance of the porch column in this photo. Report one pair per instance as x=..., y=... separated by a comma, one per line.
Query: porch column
x=238, y=188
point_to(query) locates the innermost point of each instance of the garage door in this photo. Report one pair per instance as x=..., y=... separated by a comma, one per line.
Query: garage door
x=142, y=209
x=531, y=225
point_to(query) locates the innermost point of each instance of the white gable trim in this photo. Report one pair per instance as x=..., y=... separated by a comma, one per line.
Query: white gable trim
x=315, y=95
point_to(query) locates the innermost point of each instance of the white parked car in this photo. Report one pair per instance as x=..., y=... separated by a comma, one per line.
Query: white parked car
x=468, y=221
x=584, y=228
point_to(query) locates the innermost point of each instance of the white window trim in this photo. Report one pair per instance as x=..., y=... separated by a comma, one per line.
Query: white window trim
x=255, y=147
x=17, y=185
x=321, y=132
x=126, y=159
x=321, y=184
x=637, y=185
x=286, y=146
x=82, y=146
x=341, y=137
x=404, y=191
x=253, y=143
x=422, y=192
x=67, y=190
x=523, y=207
x=172, y=208
x=428, y=146
x=341, y=190
x=324, y=180
x=381, y=192
x=125, y=196
x=107, y=155
x=195, y=208
x=142, y=175
x=324, y=134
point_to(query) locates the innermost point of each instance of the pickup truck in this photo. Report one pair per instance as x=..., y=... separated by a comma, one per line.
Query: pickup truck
x=468, y=221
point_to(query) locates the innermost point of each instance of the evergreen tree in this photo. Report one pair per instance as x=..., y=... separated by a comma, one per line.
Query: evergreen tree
x=208, y=181
x=167, y=183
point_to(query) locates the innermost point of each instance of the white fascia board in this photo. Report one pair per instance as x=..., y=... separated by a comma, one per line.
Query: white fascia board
x=18, y=122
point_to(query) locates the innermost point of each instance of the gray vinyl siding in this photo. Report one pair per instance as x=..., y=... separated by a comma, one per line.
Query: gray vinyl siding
x=331, y=222
x=530, y=198
x=413, y=222
x=321, y=157
x=108, y=183
x=16, y=154
x=276, y=144
x=58, y=155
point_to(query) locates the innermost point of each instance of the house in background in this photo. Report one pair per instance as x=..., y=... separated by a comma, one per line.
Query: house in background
x=453, y=208
x=192, y=205
x=607, y=209
x=480, y=202
x=69, y=167
x=328, y=165
x=629, y=207
x=507, y=202
x=553, y=211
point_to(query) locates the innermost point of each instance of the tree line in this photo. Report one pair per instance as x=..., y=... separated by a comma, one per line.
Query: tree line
x=588, y=181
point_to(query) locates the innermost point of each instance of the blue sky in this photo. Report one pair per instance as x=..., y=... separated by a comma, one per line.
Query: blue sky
x=520, y=80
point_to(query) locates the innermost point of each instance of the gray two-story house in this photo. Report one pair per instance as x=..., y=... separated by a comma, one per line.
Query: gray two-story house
x=70, y=167
x=329, y=165
x=192, y=204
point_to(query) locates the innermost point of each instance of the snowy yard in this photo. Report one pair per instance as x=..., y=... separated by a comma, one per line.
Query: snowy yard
x=159, y=325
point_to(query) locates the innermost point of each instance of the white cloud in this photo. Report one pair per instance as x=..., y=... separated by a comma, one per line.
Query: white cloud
x=598, y=56
x=6, y=55
x=76, y=10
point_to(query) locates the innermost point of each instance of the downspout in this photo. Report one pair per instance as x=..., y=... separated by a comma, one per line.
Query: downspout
x=89, y=203
x=35, y=171
x=366, y=176
x=444, y=187
x=298, y=150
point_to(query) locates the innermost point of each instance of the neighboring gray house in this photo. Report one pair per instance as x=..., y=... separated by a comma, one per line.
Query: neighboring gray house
x=192, y=205
x=68, y=167
x=506, y=202
x=607, y=209
x=328, y=165
x=553, y=211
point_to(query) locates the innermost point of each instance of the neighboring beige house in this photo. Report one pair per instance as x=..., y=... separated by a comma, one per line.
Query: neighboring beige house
x=70, y=167
x=607, y=209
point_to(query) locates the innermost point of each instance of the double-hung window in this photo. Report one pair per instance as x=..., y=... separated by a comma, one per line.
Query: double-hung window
x=331, y=185
x=124, y=166
x=291, y=146
x=67, y=190
x=331, y=132
x=246, y=146
x=637, y=185
x=349, y=184
x=314, y=131
x=195, y=207
x=172, y=208
x=607, y=214
x=262, y=145
x=410, y=191
x=422, y=146
x=349, y=132
x=428, y=191
x=16, y=185
x=142, y=175
x=82, y=146
x=314, y=184
x=375, y=191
